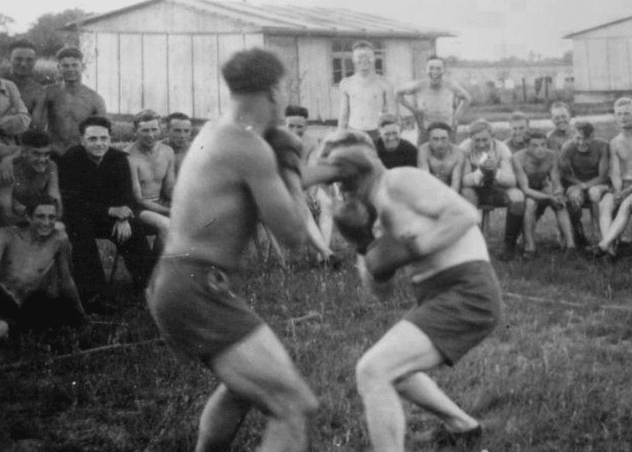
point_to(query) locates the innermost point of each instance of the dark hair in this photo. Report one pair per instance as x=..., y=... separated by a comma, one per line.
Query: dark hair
x=439, y=125
x=252, y=71
x=100, y=121
x=585, y=128
x=21, y=44
x=296, y=110
x=560, y=104
x=35, y=139
x=177, y=116
x=33, y=202
x=518, y=116
x=69, y=52
x=363, y=45
x=435, y=57
x=535, y=134
x=386, y=119
x=144, y=116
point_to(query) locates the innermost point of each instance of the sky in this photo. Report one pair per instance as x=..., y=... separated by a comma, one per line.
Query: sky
x=486, y=29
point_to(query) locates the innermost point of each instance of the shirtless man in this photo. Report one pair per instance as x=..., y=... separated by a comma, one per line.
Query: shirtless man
x=488, y=178
x=432, y=232
x=36, y=286
x=438, y=100
x=153, y=173
x=584, y=167
x=179, y=129
x=365, y=95
x=440, y=157
x=22, y=55
x=230, y=178
x=619, y=201
x=538, y=176
x=519, y=125
x=563, y=132
x=69, y=102
x=318, y=198
x=34, y=174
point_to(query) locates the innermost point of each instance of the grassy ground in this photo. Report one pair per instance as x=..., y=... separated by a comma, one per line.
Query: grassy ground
x=553, y=377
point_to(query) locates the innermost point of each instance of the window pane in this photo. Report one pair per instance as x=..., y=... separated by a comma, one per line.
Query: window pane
x=337, y=64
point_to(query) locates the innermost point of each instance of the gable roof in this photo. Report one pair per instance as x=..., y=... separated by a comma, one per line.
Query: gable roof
x=596, y=27
x=290, y=19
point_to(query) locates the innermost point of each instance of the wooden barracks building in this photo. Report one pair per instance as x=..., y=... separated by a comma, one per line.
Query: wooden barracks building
x=166, y=54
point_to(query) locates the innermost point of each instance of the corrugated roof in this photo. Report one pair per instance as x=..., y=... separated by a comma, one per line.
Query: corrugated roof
x=291, y=19
x=596, y=27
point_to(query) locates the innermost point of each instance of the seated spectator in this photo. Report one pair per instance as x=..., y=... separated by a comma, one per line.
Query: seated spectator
x=537, y=174
x=584, y=168
x=563, y=132
x=392, y=149
x=96, y=187
x=33, y=174
x=153, y=174
x=440, y=157
x=179, y=129
x=519, y=125
x=618, y=202
x=488, y=179
x=318, y=198
x=36, y=286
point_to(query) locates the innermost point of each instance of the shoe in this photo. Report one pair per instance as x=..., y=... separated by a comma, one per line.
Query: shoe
x=528, y=255
x=469, y=440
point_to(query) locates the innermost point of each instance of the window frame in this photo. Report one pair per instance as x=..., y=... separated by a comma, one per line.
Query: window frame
x=342, y=57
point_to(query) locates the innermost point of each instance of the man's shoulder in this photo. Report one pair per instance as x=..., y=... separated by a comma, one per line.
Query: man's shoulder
x=502, y=148
x=53, y=89
x=8, y=85
x=7, y=233
x=466, y=146
x=407, y=146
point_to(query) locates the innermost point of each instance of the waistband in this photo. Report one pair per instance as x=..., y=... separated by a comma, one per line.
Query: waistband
x=451, y=275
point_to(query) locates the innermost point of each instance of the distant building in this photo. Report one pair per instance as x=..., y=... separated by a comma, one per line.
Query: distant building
x=602, y=61
x=167, y=54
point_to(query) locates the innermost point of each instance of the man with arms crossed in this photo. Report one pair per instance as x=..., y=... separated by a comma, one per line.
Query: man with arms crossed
x=488, y=179
x=538, y=176
x=431, y=231
x=584, y=167
x=365, y=95
x=443, y=159
x=69, y=102
x=179, y=129
x=618, y=201
x=153, y=174
x=36, y=286
x=438, y=100
x=230, y=177
x=563, y=132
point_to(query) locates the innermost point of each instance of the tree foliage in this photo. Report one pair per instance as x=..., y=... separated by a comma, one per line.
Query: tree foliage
x=47, y=33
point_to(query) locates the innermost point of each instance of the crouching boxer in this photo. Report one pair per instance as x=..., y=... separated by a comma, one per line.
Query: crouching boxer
x=425, y=227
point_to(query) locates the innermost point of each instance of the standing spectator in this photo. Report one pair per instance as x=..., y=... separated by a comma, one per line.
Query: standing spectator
x=438, y=100
x=36, y=286
x=519, y=125
x=34, y=175
x=563, y=132
x=14, y=116
x=442, y=158
x=22, y=55
x=179, y=129
x=392, y=149
x=584, y=167
x=96, y=188
x=488, y=179
x=365, y=95
x=69, y=102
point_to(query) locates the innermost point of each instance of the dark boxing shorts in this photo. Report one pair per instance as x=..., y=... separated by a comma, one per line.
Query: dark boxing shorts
x=195, y=309
x=457, y=308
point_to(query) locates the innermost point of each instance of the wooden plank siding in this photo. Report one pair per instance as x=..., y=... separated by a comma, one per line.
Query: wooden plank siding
x=131, y=70
x=285, y=47
x=107, y=80
x=155, y=74
x=315, y=78
x=227, y=45
x=206, y=76
x=180, y=56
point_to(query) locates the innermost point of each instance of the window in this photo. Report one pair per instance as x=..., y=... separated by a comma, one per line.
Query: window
x=342, y=61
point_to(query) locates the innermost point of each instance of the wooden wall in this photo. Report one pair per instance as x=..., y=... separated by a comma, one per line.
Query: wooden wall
x=164, y=72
